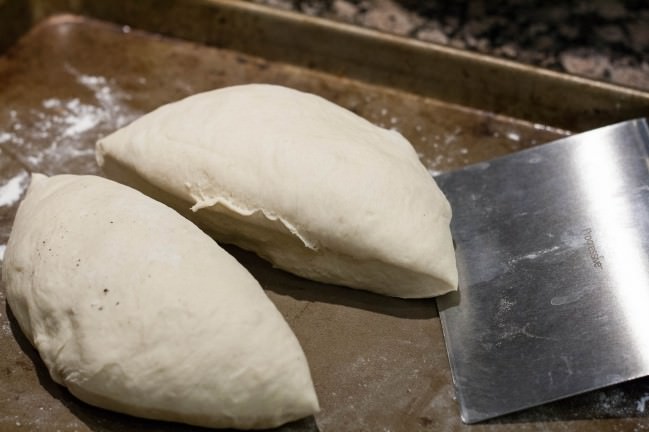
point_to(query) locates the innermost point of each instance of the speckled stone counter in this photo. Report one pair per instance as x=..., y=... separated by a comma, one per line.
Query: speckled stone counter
x=607, y=40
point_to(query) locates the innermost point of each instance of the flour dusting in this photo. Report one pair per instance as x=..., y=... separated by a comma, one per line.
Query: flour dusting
x=59, y=135
x=11, y=191
x=642, y=403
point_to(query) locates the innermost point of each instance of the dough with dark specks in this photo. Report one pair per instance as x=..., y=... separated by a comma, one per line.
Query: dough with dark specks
x=134, y=309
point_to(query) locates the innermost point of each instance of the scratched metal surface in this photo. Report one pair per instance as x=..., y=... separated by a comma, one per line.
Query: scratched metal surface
x=378, y=363
x=557, y=306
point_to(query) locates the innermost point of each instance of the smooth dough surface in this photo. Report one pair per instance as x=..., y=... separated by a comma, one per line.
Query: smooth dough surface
x=134, y=309
x=304, y=183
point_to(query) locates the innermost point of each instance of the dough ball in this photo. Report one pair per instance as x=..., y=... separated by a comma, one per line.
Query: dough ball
x=304, y=183
x=134, y=309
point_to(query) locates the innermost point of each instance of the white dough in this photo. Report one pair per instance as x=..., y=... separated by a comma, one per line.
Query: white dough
x=134, y=309
x=306, y=184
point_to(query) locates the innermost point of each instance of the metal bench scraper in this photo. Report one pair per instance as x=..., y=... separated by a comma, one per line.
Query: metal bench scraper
x=552, y=246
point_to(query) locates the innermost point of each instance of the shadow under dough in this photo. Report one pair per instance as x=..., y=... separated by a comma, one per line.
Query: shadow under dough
x=102, y=420
x=287, y=284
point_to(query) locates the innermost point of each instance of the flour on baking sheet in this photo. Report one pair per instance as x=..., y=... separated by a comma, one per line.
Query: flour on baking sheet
x=59, y=134
x=12, y=190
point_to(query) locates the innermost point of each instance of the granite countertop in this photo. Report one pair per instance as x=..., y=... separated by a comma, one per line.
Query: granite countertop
x=605, y=40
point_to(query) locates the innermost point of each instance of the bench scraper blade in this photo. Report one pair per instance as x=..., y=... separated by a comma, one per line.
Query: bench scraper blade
x=552, y=246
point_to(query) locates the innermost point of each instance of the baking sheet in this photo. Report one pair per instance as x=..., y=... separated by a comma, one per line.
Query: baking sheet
x=378, y=363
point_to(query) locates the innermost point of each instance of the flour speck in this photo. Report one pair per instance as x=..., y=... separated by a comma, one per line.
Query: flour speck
x=12, y=190
x=641, y=405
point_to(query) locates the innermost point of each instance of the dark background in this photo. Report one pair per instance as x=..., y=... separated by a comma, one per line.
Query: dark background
x=606, y=40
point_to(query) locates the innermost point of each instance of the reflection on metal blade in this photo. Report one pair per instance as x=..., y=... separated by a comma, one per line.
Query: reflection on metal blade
x=552, y=246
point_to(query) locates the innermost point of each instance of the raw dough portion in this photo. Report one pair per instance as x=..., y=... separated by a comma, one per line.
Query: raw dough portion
x=304, y=183
x=134, y=309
